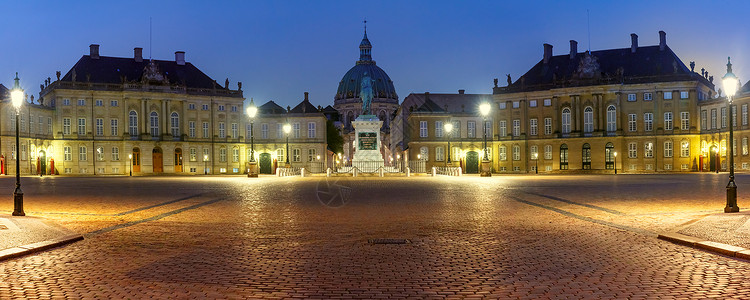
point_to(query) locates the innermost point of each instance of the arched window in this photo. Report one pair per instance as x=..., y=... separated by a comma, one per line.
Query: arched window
x=611, y=118
x=154, y=124
x=564, y=155
x=588, y=119
x=502, y=153
x=586, y=156
x=175, y=124
x=133, y=123
x=516, y=152
x=566, y=120
x=609, y=156
x=424, y=153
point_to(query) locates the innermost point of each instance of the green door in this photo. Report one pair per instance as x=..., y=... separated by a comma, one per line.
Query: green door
x=472, y=162
x=265, y=163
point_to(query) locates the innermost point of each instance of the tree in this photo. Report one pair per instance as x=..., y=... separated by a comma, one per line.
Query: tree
x=333, y=136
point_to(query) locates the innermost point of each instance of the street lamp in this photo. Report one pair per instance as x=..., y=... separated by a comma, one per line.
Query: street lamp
x=484, y=109
x=730, y=83
x=130, y=165
x=287, y=130
x=536, y=163
x=615, y=163
x=251, y=112
x=16, y=96
x=205, y=167
x=448, y=129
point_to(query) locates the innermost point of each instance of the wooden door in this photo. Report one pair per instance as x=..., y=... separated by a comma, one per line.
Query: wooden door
x=265, y=163
x=136, y=160
x=158, y=161
x=472, y=162
x=178, y=160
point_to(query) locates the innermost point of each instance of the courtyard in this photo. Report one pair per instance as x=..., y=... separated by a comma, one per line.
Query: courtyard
x=524, y=236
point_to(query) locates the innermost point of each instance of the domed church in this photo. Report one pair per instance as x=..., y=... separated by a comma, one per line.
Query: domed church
x=349, y=104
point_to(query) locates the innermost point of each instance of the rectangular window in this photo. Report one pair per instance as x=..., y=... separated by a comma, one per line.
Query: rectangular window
x=632, y=126
x=222, y=130
x=516, y=152
x=723, y=117
x=264, y=130
x=648, y=150
x=99, y=127
x=502, y=153
x=68, y=153
x=235, y=131
x=668, y=95
x=668, y=121
x=456, y=133
x=204, y=107
x=114, y=103
x=66, y=125
x=631, y=97
x=114, y=127
x=235, y=154
x=516, y=104
x=684, y=95
x=81, y=102
x=423, y=129
x=99, y=102
x=503, y=128
x=532, y=127
x=668, y=149
x=733, y=110
x=205, y=130
x=41, y=124
x=547, y=102
x=685, y=149
x=295, y=130
x=191, y=129
x=439, y=153
x=648, y=121
x=223, y=155
x=471, y=129
x=279, y=130
x=632, y=150
x=516, y=127
x=501, y=105
x=488, y=129
x=704, y=119
x=311, y=130
x=66, y=102
x=81, y=126
x=296, y=155
x=115, y=153
x=532, y=103
x=82, y=155
x=312, y=155
x=234, y=108
x=647, y=97
x=206, y=156
x=193, y=154
x=49, y=125
x=221, y=107
x=713, y=118
x=191, y=106
x=744, y=114
x=547, y=126
x=744, y=146
x=684, y=120
x=547, y=151
x=438, y=129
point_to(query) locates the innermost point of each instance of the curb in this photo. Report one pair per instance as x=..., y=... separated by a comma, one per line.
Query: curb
x=38, y=247
x=709, y=246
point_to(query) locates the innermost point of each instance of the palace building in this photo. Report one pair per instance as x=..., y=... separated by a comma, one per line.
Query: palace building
x=115, y=115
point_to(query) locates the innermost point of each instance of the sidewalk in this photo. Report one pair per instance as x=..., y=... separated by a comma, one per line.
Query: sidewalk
x=24, y=235
x=723, y=233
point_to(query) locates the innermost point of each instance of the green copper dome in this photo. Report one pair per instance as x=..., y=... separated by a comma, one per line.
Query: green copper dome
x=349, y=85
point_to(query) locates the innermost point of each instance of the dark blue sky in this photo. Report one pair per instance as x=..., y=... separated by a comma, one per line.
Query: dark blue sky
x=280, y=49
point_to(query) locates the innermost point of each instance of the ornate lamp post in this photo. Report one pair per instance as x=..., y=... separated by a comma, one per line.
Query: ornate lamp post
x=448, y=130
x=130, y=165
x=615, y=162
x=251, y=112
x=287, y=130
x=484, y=109
x=536, y=163
x=16, y=96
x=205, y=167
x=730, y=83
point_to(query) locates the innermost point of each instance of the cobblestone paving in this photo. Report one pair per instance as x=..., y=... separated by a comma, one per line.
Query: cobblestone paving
x=501, y=237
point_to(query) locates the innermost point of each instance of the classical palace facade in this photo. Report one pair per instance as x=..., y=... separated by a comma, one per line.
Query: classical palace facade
x=636, y=109
x=114, y=116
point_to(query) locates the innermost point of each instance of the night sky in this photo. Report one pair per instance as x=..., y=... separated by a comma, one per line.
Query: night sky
x=280, y=49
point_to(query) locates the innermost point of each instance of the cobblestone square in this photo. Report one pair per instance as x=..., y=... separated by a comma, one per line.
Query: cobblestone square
x=501, y=237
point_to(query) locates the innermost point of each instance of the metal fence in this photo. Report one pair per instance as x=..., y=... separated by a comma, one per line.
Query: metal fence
x=448, y=171
x=294, y=171
x=418, y=166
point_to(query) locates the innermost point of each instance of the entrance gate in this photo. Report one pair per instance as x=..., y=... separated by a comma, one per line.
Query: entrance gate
x=265, y=163
x=472, y=162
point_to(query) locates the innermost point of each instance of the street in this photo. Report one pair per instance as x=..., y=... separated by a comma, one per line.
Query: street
x=573, y=236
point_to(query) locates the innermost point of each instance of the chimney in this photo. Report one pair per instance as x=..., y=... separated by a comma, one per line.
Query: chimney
x=633, y=42
x=547, y=52
x=461, y=92
x=306, y=93
x=573, y=49
x=94, y=49
x=138, y=54
x=662, y=40
x=179, y=57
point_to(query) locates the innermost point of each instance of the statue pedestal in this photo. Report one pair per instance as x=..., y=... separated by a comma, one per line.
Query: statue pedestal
x=367, y=156
x=252, y=169
x=486, y=169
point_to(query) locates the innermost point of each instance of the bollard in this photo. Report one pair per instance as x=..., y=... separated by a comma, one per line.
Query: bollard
x=302, y=172
x=460, y=171
x=408, y=172
x=354, y=172
x=434, y=171
x=278, y=172
x=328, y=172
x=381, y=172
